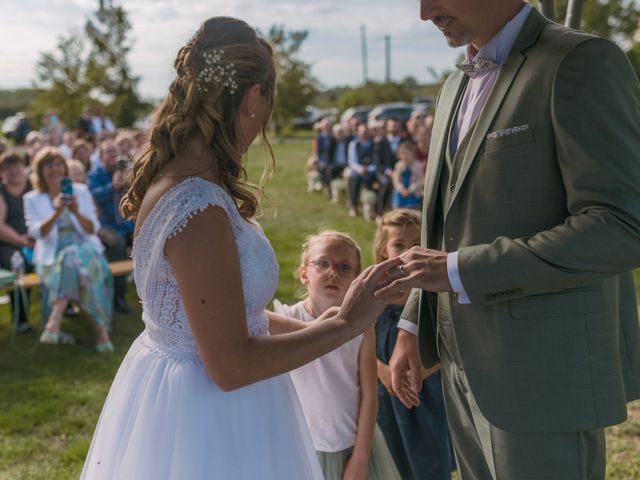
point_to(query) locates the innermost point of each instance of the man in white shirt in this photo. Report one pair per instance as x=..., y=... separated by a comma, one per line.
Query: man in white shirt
x=523, y=288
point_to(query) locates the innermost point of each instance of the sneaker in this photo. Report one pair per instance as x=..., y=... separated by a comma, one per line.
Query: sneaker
x=24, y=328
x=353, y=213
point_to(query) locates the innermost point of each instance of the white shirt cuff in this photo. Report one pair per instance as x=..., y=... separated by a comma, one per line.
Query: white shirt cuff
x=406, y=325
x=454, y=278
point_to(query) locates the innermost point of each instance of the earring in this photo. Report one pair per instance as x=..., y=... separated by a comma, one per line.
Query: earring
x=253, y=115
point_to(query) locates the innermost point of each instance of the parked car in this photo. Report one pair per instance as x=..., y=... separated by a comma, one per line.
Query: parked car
x=422, y=103
x=400, y=110
x=314, y=114
x=361, y=113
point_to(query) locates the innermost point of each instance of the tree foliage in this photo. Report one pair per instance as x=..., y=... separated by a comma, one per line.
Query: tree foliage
x=107, y=67
x=373, y=93
x=62, y=77
x=617, y=20
x=296, y=86
x=91, y=68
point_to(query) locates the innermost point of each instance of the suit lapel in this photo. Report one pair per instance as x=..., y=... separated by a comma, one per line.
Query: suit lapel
x=445, y=116
x=529, y=35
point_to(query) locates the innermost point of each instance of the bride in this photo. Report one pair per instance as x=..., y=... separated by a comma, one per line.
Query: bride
x=201, y=393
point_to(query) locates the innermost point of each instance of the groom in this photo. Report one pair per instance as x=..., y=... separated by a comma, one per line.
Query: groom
x=533, y=187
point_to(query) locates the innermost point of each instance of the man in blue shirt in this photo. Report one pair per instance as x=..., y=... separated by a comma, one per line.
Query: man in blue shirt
x=106, y=183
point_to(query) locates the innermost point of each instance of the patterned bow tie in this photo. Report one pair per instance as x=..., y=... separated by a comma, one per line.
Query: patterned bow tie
x=475, y=68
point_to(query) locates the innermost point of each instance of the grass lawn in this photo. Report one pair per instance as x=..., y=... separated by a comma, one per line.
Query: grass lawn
x=50, y=399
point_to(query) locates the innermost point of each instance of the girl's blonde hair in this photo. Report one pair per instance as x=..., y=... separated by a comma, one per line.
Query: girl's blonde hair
x=211, y=113
x=44, y=157
x=398, y=218
x=331, y=236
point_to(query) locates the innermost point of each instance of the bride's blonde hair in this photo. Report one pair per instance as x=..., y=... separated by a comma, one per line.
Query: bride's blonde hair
x=207, y=105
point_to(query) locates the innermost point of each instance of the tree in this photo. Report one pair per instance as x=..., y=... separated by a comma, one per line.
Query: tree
x=296, y=86
x=373, y=93
x=63, y=80
x=90, y=68
x=107, y=67
x=617, y=20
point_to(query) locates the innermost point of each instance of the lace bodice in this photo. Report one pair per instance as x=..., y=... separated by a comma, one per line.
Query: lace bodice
x=167, y=327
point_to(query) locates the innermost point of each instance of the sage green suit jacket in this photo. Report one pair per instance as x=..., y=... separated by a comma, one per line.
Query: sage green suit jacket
x=546, y=220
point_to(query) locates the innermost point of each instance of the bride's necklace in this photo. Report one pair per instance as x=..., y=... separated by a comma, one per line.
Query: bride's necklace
x=186, y=174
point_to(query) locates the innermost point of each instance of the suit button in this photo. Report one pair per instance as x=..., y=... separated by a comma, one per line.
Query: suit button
x=491, y=297
x=452, y=188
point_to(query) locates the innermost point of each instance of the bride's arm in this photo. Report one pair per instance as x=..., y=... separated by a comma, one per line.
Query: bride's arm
x=206, y=265
x=279, y=324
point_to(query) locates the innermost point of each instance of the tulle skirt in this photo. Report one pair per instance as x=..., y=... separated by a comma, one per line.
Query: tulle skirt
x=165, y=419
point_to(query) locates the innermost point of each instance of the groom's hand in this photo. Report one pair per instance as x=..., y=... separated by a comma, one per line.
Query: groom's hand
x=406, y=369
x=421, y=268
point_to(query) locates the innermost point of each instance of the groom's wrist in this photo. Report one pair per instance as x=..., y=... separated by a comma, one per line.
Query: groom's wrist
x=454, y=278
x=408, y=326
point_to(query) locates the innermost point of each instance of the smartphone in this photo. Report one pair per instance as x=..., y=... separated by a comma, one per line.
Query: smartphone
x=66, y=188
x=123, y=162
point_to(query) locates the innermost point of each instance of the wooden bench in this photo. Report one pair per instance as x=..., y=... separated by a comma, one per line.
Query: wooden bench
x=30, y=280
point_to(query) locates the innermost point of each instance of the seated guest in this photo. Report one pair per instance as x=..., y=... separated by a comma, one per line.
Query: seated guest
x=384, y=157
x=107, y=184
x=66, y=147
x=67, y=253
x=408, y=177
x=423, y=142
x=323, y=149
x=82, y=151
x=13, y=229
x=77, y=171
x=338, y=162
x=363, y=170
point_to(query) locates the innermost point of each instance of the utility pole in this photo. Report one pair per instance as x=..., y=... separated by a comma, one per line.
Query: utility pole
x=548, y=9
x=365, y=60
x=387, y=51
x=574, y=14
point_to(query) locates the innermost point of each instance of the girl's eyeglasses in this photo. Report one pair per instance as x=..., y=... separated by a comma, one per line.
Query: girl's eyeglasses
x=323, y=265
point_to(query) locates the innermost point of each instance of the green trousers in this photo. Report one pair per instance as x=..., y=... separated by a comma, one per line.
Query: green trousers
x=484, y=452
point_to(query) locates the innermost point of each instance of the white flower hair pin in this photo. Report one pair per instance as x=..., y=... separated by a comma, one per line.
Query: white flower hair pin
x=215, y=70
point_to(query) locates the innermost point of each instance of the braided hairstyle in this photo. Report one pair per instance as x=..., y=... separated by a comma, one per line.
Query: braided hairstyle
x=210, y=113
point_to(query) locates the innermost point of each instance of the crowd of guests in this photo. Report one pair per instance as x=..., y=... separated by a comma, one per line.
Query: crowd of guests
x=377, y=166
x=59, y=198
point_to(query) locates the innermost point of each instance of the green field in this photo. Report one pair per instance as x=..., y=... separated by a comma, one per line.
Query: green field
x=50, y=400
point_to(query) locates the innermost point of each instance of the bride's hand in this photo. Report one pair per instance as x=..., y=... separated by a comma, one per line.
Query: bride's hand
x=359, y=307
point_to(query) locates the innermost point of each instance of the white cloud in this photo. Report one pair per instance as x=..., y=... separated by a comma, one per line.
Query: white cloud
x=160, y=27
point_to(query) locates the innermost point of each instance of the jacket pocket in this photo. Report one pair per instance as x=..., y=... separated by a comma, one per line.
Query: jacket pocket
x=565, y=304
x=510, y=140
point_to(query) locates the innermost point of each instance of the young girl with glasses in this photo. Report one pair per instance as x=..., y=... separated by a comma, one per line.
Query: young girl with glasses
x=338, y=390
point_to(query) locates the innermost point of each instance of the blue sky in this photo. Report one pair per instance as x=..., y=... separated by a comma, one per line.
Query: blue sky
x=160, y=27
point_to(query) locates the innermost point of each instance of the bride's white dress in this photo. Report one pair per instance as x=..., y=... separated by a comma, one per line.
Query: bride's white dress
x=164, y=418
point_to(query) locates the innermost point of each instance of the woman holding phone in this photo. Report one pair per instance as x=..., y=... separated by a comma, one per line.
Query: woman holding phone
x=61, y=216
